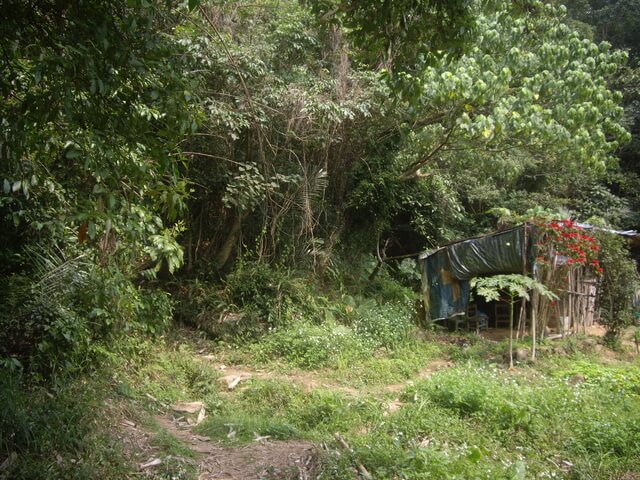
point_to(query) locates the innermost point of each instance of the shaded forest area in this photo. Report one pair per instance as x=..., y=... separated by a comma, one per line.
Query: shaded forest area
x=249, y=169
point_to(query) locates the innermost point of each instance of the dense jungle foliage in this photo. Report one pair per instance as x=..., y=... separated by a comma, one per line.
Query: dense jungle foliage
x=148, y=143
x=265, y=170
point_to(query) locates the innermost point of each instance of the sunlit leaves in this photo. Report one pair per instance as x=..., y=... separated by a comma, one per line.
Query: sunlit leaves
x=527, y=83
x=514, y=285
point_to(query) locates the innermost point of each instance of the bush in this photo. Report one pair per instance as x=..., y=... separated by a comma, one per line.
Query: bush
x=307, y=345
x=256, y=297
x=54, y=318
x=363, y=330
x=385, y=288
x=386, y=325
x=619, y=282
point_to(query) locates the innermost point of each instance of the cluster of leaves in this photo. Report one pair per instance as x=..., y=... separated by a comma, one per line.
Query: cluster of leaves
x=57, y=318
x=94, y=102
x=404, y=35
x=485, y=128
x=617, y=21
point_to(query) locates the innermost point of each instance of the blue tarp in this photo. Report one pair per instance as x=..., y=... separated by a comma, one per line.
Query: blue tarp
x=447, y=295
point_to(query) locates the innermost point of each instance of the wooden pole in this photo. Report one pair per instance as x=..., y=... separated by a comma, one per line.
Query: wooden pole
x=523, y=308
x=570, y=298
x=534, y=306
x=511, y=330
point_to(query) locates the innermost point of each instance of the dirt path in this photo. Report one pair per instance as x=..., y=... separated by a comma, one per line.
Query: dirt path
x=263, y=459
x=310, y=381
x=292, y=459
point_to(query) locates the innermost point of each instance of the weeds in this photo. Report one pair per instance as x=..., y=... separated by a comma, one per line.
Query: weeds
x=56, y=433
x=479, y=422
x=274, y=409
x=362, y=332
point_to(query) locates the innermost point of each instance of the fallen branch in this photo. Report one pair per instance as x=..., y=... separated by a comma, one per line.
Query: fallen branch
x=364, y=473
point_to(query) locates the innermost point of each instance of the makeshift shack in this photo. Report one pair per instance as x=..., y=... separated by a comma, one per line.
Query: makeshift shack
x=446, y=272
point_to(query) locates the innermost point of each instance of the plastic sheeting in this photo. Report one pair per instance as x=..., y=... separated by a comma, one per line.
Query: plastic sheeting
x=497, y=253
x=447, y=271
x=446, y=296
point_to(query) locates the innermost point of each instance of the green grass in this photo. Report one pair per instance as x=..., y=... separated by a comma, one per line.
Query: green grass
x=284, y=411
x=387, y=366
x=55, y=432
x=474, y=420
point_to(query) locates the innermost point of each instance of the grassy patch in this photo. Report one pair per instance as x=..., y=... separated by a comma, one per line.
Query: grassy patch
x=168, y=373
x=478, y=422
x=366, y=331
x=283, y=411
x=387, y=366
x=58, y=432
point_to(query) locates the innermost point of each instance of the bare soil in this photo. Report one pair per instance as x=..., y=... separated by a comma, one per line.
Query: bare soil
x=292, y=459
x=264, y=460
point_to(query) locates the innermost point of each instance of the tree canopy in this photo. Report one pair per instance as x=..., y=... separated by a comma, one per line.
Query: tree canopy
x=318, y=135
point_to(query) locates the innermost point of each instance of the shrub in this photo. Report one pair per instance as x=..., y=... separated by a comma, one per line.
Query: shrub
x=255, y=298
x=54, y=317
x=307, y=345
x=618, y=285
x=155, y=312
x=56, y=433
x=363, y=330
x=385, y=325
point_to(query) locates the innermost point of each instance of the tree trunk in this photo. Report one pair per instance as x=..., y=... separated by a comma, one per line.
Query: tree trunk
x=227, y=248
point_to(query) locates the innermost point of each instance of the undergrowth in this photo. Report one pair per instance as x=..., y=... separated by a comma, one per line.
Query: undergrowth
x=478, y=422
x=568, y=415
x=57, y=432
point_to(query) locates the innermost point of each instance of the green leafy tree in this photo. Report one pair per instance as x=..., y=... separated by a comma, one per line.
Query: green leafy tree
x=402, y=34
x=528, y=86
x=618, y=22
x=94, y=104
x=524, y=117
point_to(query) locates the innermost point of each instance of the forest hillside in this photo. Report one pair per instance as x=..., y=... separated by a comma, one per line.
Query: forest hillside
x=211, y=214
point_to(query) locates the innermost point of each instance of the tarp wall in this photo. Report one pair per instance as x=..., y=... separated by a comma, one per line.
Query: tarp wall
x=446, y=295
x=447, y=271
x=497, y=253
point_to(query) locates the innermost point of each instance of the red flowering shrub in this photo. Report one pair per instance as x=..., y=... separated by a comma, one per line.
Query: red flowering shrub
x=567, y=239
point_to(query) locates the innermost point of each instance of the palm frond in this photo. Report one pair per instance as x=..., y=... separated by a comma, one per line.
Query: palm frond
x=57, y=277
